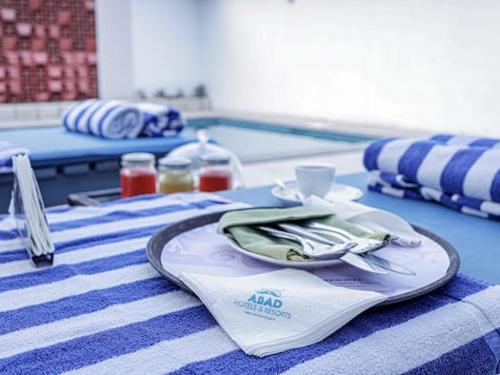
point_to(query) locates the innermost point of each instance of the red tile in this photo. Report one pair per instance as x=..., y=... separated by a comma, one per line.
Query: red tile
x=14, y=87
x=38, y=44
x=9, y=43
x=69, y=95
x=69, y=72
x=40, y=58
x=54, y=31
x=12, y=58
x=68, y=58
x=83, y=86
x=41, y=96
x=13, y=72
x=80, y=58
x=24, y=29
x=40, y=30
x=65, y=44
x=81, y=71
x=89, y=5
x=69, y=85
x=55, y=86
x=64, y=17
x=26, y=58
x=8, y=14
x=92, y=58
x=35, y=4
x=90, y=45
x=54, y=71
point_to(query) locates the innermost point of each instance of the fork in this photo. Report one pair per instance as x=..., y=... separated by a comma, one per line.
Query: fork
x=364, y=247
x=320, y=251
x=310, y=247
x=364, y=244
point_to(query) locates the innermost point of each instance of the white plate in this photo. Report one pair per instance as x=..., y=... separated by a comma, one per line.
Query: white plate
x=187, y=247
x=337, y=191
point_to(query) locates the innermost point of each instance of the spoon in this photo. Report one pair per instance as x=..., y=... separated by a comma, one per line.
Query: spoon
x=310, y=247
x=294, y=193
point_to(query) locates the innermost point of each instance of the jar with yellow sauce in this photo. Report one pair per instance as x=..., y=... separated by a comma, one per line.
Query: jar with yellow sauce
x=175, y=175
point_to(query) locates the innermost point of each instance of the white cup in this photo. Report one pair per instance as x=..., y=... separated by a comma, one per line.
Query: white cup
x=314, y=179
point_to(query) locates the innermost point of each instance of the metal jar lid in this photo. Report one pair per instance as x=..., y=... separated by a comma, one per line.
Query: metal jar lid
x=175, y=162
x=215, y=158
x=138, y=158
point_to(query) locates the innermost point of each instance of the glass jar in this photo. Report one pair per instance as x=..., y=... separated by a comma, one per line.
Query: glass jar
x=175, y=175
x=215, y=172
x=138, y=174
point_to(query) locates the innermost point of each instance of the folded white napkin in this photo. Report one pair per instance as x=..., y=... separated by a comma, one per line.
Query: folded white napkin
x=275, y=311
x=27, y=209
x=370, y=218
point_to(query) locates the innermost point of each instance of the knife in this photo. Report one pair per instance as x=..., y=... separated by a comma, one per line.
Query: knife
x=360, y=262
x=389, y=265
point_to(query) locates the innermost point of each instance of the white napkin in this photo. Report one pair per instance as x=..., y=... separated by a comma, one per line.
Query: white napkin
x=371, y=218
x=29, y=212
x=275, y=311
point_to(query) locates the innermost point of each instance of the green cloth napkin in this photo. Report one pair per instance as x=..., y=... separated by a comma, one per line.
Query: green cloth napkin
x=238, y=225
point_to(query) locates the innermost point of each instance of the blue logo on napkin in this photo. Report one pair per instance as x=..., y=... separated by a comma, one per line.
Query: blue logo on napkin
x=273, y=292
x=264, y=303
x=260, y=298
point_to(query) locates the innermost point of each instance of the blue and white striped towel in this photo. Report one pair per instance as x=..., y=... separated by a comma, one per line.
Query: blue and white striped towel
x=111, y=119
x=462, y=173
x=103, y=309
x=7, y=151
x=161, y=120
x=115, y=119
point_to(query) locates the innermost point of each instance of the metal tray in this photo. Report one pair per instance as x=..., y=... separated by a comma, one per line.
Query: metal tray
x=159, y=240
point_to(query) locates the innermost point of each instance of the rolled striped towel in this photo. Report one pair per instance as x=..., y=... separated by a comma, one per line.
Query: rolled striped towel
x=7, y=151
x=115, y=119
x=161, y=120
x=111, y=119
x=462, y=173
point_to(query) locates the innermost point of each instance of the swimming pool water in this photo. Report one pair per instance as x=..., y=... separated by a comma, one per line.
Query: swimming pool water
x=252, y=145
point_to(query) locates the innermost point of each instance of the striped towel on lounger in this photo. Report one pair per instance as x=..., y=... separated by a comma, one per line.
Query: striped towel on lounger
x=460, y=172
x=114, y=119
x=103, y=309
x=161, y=120
x=111, y=119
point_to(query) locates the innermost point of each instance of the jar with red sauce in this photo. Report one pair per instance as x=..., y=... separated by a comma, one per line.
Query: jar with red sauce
x=138, y=174
x=215, y=173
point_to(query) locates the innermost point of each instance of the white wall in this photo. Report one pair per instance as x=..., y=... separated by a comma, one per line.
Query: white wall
x=413, y=63
x=114, y=49
x=147, y=45
x=166, y=42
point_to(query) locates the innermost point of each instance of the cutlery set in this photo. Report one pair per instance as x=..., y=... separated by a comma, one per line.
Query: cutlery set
x=324, y=242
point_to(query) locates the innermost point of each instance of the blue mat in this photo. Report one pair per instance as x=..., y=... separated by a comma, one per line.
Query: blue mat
x=52, y=145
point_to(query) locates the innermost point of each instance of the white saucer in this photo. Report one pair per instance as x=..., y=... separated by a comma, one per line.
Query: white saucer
x=337, y=191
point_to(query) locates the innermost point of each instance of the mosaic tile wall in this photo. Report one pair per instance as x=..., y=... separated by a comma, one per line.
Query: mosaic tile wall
x=47, y=50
